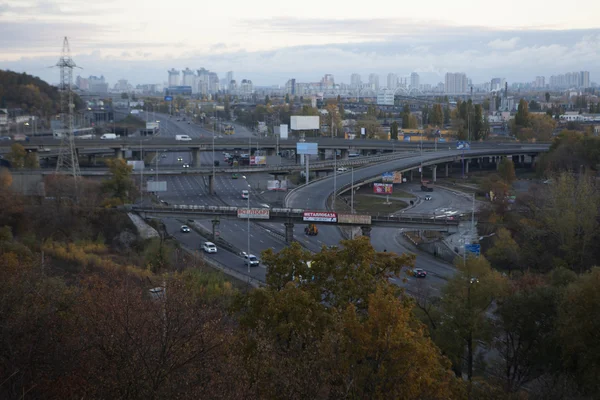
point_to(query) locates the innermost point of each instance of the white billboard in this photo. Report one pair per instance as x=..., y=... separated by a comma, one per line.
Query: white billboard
x=283, y=131
x=299, y=122
x=136, y=165
x=157, y=186
x=253, y=213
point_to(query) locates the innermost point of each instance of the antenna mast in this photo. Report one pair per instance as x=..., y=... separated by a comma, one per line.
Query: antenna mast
x=67, y=156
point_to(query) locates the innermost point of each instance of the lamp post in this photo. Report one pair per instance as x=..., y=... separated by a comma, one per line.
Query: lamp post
x=248, y=227
x=334, y=179
x=352, y=192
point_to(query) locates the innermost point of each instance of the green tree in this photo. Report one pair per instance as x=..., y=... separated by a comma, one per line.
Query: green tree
x=17, y=156
x=547, y=97
x=287, y=98
x=31, y=160
x=394, y=130
x=522, y=118
x=466, y=299
x=447, y=114
x=406, y=121
x=578, y=328
x=506, y=170
x=267, y=100
x=120, y=184
x=437, y=115
x=504, y=254
x=478, y=123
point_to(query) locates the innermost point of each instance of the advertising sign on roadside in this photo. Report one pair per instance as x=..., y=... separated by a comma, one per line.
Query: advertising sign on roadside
x=387, y=177
x=277, y=185
x=406, y=138
x=383, y=188
x=253, y=213
x=354, y=219
x=397, y=177
x=258, y=160
x=168, y=98
x=319, y=216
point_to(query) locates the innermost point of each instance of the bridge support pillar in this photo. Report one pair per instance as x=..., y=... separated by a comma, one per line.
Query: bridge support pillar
x=211, y=185
x=215, y=223
x=196, y=162
x=366, y=231
x=297, y=158
x=365, y=153
x=447, y=170
x=289, y=232
x=480, y=162
x=498, y=160
x=270, y=152
x=467, y=165
x=411, y=175
x=344, y=154
x=118, y=153
x=135, y=155
x=522, y=161
x=532, y=161
x=434, y=173
x=322, y=154
x=92, y=159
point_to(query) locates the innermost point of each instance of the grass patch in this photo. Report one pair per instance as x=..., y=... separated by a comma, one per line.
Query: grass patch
x=367, y=204
x=398, y=194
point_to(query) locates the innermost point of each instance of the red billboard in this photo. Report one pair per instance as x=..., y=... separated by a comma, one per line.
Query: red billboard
x=383, y=188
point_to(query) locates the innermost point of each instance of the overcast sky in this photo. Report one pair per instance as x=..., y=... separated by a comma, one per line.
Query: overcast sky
x=270, y=41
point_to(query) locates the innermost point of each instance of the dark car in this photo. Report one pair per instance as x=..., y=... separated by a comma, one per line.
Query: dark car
x=419, y=273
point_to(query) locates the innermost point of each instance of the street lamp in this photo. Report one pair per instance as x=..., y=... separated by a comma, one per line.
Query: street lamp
x=248, y=228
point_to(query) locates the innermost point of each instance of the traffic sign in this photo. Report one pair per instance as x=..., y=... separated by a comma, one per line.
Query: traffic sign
x=168, y=98
x=473, y=248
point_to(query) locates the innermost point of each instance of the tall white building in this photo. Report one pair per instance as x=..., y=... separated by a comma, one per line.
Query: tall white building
x=584, y=79
x=540, y=82
x=188, y=77
x=355, y=81
x=414, y=81
x=392, y=81
x=228, y=79
x=456, y=83
x=374, y=81
x=173, y=77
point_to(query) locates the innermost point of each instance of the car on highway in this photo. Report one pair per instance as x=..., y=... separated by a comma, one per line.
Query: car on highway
x=419, y=273
x=209, y=247
x=234, y=176
x=342, y=169
x=250, y=259
x=180, y=159
x=186, y=165
x=185, y=229
x=163, y=156
x=245, y=194
x=428, y=197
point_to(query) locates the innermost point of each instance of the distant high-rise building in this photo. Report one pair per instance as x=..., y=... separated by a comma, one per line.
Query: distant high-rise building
x=228, y=79
x=97, y=85
x=188, y=77
x=173, y=77
x=355, y=81
x=392, y=81
x=374, y=81
x=584, y=79
x=540, y=82
x=290, y=87
x=497, y=84
x=122, y=85
x=456, y=83
x=327, y=82
x=414, y=81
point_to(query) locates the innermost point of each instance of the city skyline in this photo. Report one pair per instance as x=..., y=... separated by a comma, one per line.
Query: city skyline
x=269, y=44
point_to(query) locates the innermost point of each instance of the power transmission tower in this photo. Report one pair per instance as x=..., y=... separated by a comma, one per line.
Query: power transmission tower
x=67, y=156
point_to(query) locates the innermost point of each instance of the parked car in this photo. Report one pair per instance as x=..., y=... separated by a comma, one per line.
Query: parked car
x=209, y=247
x=185, y=229
x=419, y=273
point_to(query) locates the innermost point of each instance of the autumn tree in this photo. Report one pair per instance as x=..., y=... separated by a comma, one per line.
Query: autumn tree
x=465, y=302
x=394, y=130
x=120, y=184
x=506, y=170
x=17, y=156
x=578, y=328
x=437, y=115
x=504, y=254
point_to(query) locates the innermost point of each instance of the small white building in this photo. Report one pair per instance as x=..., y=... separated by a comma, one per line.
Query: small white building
x=385, y=97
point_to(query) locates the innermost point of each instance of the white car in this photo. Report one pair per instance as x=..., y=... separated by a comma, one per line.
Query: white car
x=251, y=259
x=342, y=169
x=186, y=165
x=245, y=194
x=185, y=229
x=209, y=247
x=428, y=197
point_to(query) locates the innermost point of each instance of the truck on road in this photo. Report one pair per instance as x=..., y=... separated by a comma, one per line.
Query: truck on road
x=107, y=136
x=183, y=137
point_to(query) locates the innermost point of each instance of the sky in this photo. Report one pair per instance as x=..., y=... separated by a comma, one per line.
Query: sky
x=271, y=41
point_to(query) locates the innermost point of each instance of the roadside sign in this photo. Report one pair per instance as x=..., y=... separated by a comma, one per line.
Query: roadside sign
x=168, y=98
x=473, y=248
x=383, y=188
x=253, y=213
x=387, y=177
x=319, y=216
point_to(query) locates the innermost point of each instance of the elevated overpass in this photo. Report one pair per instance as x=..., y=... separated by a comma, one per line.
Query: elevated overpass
x=289, y=217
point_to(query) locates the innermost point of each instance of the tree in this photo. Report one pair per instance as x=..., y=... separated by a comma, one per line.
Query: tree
x=578, y=329
x=526, y=338
x=504, y=254
x=31, y=160
x=287, y=98
x=406, y=117
x=522, y=118
x=447, y=114
x=17, y=156
x=547, y=97
x=541, y=128
x=534, y=106
x=478, y=123
x=372, y=127
x=5, y=179
x=394, y=130
x=437, y=115
x=120, y=185
x=465, y=301
x=506, y=170
x=267, y=100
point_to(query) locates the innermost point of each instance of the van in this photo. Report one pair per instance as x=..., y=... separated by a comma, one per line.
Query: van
x=183, y=137
x=108, y=136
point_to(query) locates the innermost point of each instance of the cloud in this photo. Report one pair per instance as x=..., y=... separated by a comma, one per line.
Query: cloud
x=500, y=44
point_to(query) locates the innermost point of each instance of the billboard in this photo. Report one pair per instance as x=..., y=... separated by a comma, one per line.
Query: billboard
x=283, y=131
x=152, y=125
x=136, y=165
x=354, y=219
x=387, y=177
x=258, y=160
x=442, y=140
x=168, y=98
x=406, y=138
x=277, y=185
x=156, y=186
x=362, y=131
x=473, y=249
x=397, y=177
x=307, y=148
x=253, y=213
x=319, y=216
x=304, y=122
x=463, y=146
x=383, y=188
